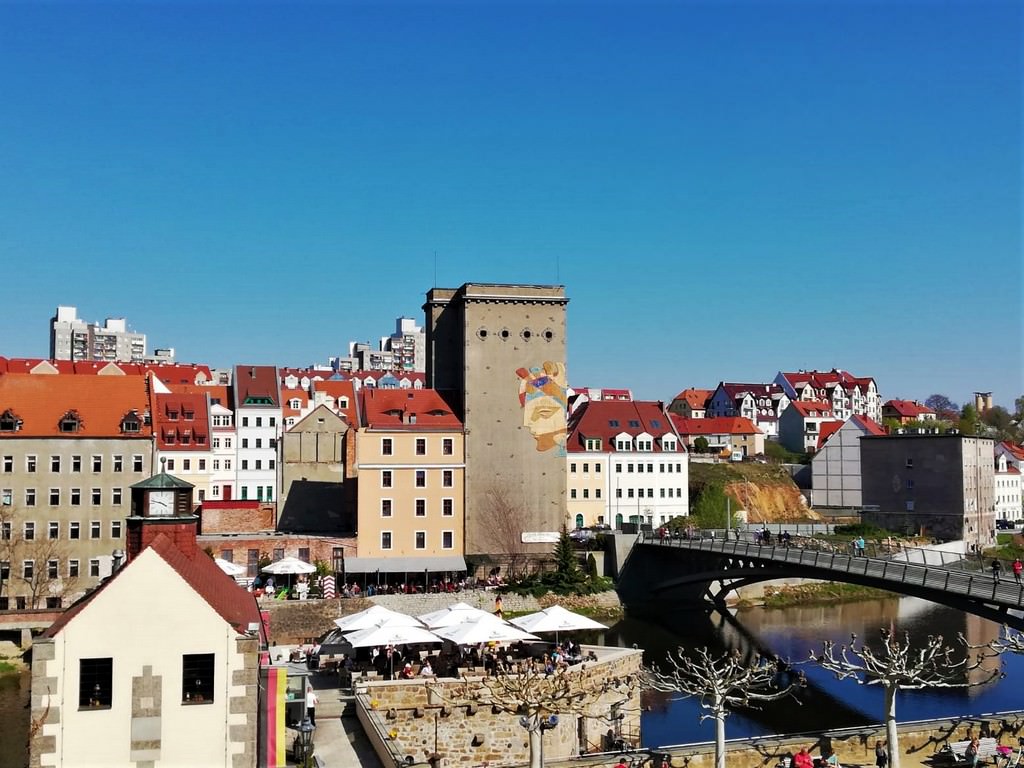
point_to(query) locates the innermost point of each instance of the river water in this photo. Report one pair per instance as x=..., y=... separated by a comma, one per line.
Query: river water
x=826, y=703
x=789, y=633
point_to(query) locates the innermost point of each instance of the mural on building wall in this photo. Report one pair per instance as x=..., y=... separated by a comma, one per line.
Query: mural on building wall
x=542, y=395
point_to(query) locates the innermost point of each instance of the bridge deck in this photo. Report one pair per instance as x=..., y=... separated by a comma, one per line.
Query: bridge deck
x=1003, y=594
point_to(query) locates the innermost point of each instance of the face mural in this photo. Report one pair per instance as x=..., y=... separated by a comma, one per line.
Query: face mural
x=542, y=396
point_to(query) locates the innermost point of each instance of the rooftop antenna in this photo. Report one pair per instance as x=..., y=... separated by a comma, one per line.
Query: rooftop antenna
x=435, y=268
x=558, y=269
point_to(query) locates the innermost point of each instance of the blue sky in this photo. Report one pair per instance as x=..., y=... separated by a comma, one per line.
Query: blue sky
x=724, y=188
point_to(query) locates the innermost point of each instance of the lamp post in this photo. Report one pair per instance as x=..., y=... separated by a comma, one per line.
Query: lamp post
x=305, y=743
x=535, y=726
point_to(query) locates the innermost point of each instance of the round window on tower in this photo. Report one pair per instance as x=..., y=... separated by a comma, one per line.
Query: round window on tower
x=481, y=333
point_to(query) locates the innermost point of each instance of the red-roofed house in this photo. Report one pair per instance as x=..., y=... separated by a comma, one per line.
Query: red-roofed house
x=905, y=411
x=724, y=433
x=763, y=404
x=691, y=403
x=258, y=423
x=801, y=423
x=625, y=463
x=70, y=446
x=835, y=468
x=847, y=393
x=410, y=464
x=183, y=439
x=159, y=664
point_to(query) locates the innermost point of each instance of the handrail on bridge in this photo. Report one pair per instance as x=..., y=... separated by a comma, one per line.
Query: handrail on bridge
x=979, y=586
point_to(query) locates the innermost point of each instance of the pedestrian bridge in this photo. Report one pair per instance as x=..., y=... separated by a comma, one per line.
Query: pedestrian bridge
x=666, y=572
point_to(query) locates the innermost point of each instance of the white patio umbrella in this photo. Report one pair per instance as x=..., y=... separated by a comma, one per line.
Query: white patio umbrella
x=374, y=616
x=231, y=569
x=289, y=566
x=388, y=634
x=556, y=619
x=453, y=614
x=485, y=629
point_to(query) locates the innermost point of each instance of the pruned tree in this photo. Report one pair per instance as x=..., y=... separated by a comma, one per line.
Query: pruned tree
x=535, y=697
x=943, y=407
x=898, y=665
x=723, y=683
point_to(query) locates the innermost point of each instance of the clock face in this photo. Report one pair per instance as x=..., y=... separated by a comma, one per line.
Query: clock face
x=161, y=503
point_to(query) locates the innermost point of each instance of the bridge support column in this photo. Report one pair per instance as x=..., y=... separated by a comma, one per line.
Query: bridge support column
x=26, y=638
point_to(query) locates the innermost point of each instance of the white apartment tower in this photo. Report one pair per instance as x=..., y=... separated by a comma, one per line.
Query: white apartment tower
x=74, y=339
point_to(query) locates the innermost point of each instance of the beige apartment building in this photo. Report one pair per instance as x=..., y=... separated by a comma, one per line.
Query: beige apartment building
x=70, y=449
x=410, y=470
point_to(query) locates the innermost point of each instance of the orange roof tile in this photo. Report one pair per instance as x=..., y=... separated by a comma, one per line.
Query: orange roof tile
x=101, y=403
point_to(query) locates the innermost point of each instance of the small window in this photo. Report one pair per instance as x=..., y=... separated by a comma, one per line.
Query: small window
x=76, y=463
x=9, y=422
x=30, y=463
x=447, y=478
x=910, y=463
x=29, y=531
x=70, y=422
x=386, y=508
x=386, y=446
x=53, y=530
x=115, y=529
x=421, y=507
x=74, y=530
x=447, y=446
x=95, y=529
x=421, y=539
x=119, y=463
x=197, y=678
x=73, y=569
x=55, y=463
x=447, y=540
x=385, y=539
x=95, y=677
x=421, y=478
x=137, y=462
x=448, y=507
x=94, y=567
x=421, y=446
x=385, y=478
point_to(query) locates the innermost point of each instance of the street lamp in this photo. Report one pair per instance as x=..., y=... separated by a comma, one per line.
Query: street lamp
x=305, y=743
x=538, y=723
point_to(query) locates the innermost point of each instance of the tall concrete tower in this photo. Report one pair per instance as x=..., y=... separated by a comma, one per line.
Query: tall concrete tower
x=497, y=353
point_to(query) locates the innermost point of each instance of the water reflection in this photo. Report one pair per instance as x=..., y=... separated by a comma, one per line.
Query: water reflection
x=14, y=690
x=827, y=703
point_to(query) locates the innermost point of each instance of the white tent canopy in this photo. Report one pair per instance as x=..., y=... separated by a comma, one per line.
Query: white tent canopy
x=374, y=616
x=485, y=629
x=556, y=619
x=390, y=635
x=289, y=565
x=231, y=569
x=453, y=614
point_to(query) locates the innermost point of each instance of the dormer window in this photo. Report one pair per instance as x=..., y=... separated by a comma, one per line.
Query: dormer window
x=9, y=422
x=131, y=424
x=295, y=403
x=70, y=422
x=170, y=437
x=172, y=415
x=188, y=415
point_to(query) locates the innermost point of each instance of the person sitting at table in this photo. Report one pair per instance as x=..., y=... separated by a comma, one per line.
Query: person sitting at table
x=406, y=673
x=426, y=670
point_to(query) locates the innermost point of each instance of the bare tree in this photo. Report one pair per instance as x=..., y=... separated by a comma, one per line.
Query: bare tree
x=506, y=522
x=48, y=557
x=1009, y=642
x=897, y=665
x=539, y=698
x=723, y=683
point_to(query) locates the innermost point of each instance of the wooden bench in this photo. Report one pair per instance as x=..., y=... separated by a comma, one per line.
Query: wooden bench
x=957, y=750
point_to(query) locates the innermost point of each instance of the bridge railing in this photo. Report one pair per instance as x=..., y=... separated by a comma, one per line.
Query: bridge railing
x=973, y=584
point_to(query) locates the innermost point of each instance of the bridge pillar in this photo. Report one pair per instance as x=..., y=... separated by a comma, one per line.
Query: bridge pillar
x=26, y=638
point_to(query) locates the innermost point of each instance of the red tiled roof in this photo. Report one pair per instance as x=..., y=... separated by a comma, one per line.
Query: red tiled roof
x=825, y=379
x=287, y=395
x=179, y=433
x=257, y=382
x=695, y=398
x=168, y=373
x=220, y=394
x=605, y=419
x=100, y=402
x=233, y=603
x=1017, y=451
x=826, y=430
x=395, y=408
x=812, y=408
x=870, y=426
x=908, y=408
x=340, y=389
x=722, y=425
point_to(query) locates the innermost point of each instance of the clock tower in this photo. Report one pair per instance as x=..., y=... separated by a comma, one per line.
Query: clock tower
x=162, y=504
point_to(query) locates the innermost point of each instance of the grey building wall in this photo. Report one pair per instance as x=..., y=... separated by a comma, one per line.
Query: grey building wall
x=312, y=475
x=836, y=472
x=497, y=354
x=939, y=485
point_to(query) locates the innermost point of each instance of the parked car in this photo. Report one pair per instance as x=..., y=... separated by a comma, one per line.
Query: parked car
x=1005, y=525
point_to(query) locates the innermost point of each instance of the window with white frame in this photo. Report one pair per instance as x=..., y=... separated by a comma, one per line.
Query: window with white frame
x=385, y=539
x=448, y=507
x=385, y=478
x=421, y=539
x=386, y=507
x=447, y=478
x=447, y=539
x=386, y=446
x=421, y=507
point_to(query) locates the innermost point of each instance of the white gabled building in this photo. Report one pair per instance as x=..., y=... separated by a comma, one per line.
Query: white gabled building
x=848, y=394
x=258, y=425
x=835, y=468
x=626, y=463
x=763, y=404
x=1008, y=490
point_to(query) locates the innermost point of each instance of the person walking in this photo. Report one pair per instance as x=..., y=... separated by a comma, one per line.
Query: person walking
x=996, y=569
x=881, y=754
x=311, y=701
x=1018, y=567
